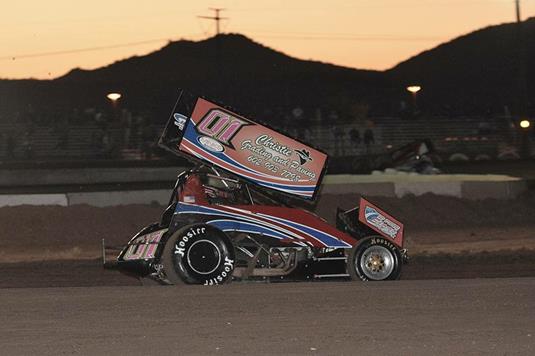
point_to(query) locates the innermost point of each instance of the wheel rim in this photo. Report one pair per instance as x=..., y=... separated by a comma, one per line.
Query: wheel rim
x=377, y=262
x=203, y=257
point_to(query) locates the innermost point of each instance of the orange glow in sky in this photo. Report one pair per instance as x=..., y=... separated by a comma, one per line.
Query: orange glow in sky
x=46, y=39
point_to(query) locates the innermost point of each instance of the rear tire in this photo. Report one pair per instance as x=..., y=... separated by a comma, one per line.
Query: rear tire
x=374, y=259
x=198, y=254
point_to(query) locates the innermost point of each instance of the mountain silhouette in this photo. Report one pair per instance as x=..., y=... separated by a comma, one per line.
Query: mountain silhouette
x=476, y=74
x=232, y=69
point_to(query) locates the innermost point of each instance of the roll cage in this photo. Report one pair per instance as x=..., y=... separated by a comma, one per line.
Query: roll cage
x=213, y=187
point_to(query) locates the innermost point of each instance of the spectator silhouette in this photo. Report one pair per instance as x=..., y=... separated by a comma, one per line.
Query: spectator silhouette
x=63, y=139
x=10, y=146
x=147, y=141
x=27, y=147
x=338, y=134
x=354, y=136
x=369, y=138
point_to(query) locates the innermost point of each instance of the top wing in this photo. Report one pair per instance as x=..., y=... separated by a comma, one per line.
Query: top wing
x=202, y=130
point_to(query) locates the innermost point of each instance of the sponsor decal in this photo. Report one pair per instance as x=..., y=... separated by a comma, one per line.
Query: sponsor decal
x=304, y=156
x=189, y=199
x=251, y=151
x=220, y=125
x=180, y=121
x=381, y=221
x=144, y=246
x=210, y=144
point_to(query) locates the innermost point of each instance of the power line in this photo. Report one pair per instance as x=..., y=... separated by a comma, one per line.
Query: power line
x=78, y=50
x=339, y=36
x=319, y=33
x=281, y=35
x=87, y=49
x=351, y=38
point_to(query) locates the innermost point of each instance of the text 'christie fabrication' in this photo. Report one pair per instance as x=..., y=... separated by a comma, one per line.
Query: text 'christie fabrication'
x=265, y=150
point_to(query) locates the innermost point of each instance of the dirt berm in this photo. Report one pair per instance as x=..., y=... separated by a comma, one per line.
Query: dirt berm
x=447, y=237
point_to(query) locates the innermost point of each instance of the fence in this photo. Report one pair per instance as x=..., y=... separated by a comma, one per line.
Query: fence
x=473, y=137
x=18, y=142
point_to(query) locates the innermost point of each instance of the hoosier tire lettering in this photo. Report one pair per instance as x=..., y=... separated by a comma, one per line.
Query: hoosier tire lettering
x=180, y=248
x=229, y=267
x=386, y=243
x=198, y=254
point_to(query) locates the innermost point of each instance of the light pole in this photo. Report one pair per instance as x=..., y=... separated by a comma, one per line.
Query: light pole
x=526, y=139
x=414, y=89
x=114, y=98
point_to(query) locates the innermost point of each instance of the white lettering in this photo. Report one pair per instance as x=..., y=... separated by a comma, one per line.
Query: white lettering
x=268, y=142
x=179, y=251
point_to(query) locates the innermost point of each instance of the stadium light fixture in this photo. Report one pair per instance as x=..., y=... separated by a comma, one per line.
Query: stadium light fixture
x=414, y=89
x=114, y=96
x=525, y=124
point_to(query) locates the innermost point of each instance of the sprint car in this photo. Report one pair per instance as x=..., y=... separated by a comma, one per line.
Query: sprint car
x=230, y=217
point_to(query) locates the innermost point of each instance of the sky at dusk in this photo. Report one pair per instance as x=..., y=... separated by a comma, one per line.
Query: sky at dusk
x=46, y=39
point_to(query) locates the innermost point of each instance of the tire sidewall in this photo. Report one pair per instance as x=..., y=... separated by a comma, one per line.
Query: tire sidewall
x=176, y=261
x=355, y=270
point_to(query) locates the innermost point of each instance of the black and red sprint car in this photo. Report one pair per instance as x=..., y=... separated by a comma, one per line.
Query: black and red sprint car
x=229, y=219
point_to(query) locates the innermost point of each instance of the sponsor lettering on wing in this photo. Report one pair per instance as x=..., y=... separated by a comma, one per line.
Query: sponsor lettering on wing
x=381, y=222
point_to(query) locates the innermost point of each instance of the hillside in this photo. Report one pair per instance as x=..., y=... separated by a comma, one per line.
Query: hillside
x=473, y=74
x=229, y=68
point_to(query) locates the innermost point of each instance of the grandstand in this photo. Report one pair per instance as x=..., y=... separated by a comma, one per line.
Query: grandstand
x=87, y=141
x=473, y=137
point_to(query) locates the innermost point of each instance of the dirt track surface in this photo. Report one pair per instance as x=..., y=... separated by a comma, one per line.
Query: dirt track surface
x=479, y=316
x=89, y=273
x=44, y=246
x=447, y=237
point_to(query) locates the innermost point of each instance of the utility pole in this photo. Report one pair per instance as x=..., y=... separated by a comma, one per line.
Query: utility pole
x=216, y=18
x=521, y=63
x=523, y=107
x=217, y=84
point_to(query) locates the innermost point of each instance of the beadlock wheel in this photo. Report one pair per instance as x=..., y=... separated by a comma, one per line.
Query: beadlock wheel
x=377, y=263
x=374, y=259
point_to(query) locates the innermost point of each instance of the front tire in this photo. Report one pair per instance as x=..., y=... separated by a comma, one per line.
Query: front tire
x=374, y=259
x=198, y=254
